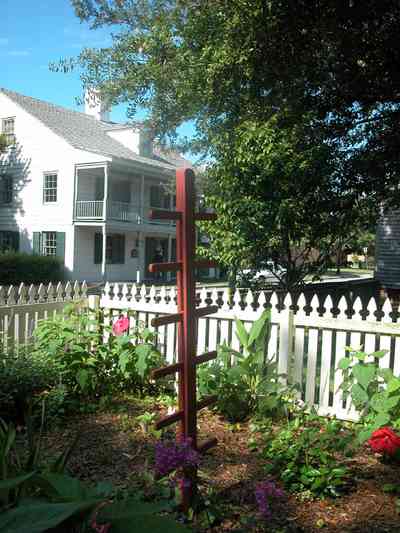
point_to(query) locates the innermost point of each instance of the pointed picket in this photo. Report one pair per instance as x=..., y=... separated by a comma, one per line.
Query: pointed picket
x=23, y=294
x=153, y=296
x=59, y=291
x=385, y=340
x=76, y=291
x=342, y=307
x=312, y=351
x=11, y=295
x=143, y=294
x=249, y=300
x=84, y=289
x=3, y=298
x=299, y=343
x=370, y=338
x=68, y=291
x=237, y=299
x=214, y=297
x=357, y=308
x=326, y=383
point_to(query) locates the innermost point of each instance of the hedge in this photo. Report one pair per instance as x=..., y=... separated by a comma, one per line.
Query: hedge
x=16, y=268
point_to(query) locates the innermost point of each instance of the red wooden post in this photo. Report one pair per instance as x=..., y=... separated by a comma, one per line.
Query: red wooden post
x=186, y=318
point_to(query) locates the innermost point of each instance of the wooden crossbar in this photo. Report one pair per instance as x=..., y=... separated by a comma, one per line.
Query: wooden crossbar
x=205, y=263
x=166, y=370
x=167, y=319
x=206, y=401
x=204, y=311
x=203, y=358
x=163, y=214
x=206, y=216
x=165, y=267
x=207, y=445
x=170, y=419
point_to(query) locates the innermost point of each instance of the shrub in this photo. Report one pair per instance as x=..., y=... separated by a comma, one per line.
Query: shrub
x=304, y=455
x=90, y=366
x=18, y=268
x=249, y=385
x=23, y=377
x=375, y=391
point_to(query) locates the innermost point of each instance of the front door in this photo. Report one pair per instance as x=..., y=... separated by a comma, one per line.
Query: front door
x=156, y=251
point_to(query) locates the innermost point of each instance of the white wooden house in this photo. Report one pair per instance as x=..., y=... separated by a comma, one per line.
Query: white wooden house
x=78, y=186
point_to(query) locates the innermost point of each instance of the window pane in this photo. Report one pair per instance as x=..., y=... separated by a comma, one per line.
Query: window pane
x=49, y=243
x=8, y=129
x=6, y=188
x=50, y=188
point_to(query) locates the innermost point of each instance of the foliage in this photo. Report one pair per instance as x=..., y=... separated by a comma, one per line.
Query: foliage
x=91, y=367
x=327, y=71
x=17, y=267
x=375, y=391
x=24, y=377
x=304, y=455
x=266, y=493
x=245, y=382
x=36, y=498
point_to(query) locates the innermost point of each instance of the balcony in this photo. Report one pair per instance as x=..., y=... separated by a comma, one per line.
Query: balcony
x=94, y=210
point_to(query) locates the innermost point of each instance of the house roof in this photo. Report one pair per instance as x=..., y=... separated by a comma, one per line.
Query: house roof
x=80, y=130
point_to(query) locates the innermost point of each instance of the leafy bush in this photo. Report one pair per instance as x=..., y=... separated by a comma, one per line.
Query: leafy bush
x=90, y=366
x=304, y=455
x=374, y=391
x=16, y=267
x=251, y=384
x=23, y=377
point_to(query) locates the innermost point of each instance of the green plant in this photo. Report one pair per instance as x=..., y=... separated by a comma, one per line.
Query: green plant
x=305, y=455
x=247, y=381
x=146, y=422
x=91, y=366
x=17, y=267
x=24, y=378
x=375, y=391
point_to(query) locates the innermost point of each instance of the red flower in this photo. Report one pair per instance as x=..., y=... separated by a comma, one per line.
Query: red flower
x=384, y=441
x=121, y=325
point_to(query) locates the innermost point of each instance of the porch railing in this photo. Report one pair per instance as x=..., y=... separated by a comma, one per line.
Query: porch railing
x=120, y=211
x=89, y=209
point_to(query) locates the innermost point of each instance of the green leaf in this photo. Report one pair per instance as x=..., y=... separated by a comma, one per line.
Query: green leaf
x=360, y=397
x=379, y=354
x=344, y=363
x=67, y=488
x=131, y=516
x=382, y=419
x=259, y=326
x=82, y=377
x=11, y=483
x=241, y=333
x=364, y=374
x=142, y=351
x=393, y=385
x=36, y=518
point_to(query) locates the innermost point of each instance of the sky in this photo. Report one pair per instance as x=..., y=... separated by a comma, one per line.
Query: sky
x=34, y=33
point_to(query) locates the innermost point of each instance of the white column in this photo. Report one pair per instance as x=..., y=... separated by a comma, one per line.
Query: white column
x=103, y=257
x=141, y=210
x=105, y=202
x=75, y=193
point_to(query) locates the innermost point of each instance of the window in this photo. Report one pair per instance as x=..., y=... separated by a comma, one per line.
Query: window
x=7, y=128
x=50, y=188
x=9, y=241
x=159, y=197
x=49, y=243
x=6, y=189
x=115, y=249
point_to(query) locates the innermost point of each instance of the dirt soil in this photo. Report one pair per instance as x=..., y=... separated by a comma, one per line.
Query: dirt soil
x=113, y=447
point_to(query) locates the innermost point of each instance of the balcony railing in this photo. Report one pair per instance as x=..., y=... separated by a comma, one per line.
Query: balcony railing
x=120, y=211
x=94, y=210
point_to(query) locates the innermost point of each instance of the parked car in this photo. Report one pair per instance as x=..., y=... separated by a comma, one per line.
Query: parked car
x=271, y=274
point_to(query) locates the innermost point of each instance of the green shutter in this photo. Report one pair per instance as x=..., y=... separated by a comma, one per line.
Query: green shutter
x=37, y=243
x=98, y=248
x=155, y=199
x=60, y=243
x=15, y=240
x=118, y=249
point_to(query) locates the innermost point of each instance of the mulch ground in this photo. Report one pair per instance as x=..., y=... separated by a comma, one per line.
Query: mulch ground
x=112, y=447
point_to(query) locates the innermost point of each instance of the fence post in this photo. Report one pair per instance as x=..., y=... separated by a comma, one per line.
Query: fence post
x=286, y=332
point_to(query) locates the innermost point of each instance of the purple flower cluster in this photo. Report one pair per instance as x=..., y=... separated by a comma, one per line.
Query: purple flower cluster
x=266, y=493
x=170, y=457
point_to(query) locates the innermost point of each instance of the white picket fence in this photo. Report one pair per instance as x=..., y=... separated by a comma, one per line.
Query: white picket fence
x=307, y=344
x=22, y=307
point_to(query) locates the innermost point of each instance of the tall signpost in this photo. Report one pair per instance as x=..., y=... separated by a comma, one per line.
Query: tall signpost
x=186, y=318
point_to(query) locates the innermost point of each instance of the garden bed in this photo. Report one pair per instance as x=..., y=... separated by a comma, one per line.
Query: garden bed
x=113, y=447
